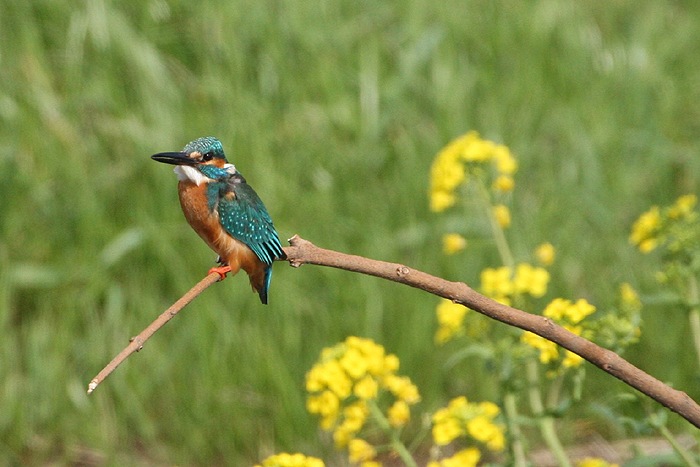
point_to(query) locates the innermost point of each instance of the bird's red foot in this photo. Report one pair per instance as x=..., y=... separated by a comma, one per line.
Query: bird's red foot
x=221, y=271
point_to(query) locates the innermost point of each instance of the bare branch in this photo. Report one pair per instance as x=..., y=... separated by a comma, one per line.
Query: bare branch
x=136, y=343
x=305, y=252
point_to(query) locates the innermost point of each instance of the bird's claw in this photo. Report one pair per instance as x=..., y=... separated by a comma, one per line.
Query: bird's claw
x=221, y=271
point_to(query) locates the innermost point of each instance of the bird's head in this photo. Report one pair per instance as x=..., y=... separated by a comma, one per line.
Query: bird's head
x=199, y=160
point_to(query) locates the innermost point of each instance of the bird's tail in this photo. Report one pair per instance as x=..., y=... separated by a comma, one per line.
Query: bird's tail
x=262, y=292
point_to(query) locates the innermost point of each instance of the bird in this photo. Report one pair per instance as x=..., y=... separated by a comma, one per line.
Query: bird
x=226, y=212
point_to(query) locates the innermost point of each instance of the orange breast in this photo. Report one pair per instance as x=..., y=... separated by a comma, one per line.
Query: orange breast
x=193, y=199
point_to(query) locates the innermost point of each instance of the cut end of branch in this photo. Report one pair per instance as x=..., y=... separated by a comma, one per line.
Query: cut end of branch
x=296, y=240
x=91, y=387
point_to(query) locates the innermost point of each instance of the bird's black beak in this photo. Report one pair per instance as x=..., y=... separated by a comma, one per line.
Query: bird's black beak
x=174, y=158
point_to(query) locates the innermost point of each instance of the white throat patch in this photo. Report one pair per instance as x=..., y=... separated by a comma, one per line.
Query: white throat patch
x=185, y=172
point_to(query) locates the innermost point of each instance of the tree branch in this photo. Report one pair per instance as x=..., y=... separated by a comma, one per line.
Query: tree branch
x=305, y=252
x=136, y=343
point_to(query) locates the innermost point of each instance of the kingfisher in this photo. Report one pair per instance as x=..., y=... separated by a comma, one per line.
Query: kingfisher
x=226, y=212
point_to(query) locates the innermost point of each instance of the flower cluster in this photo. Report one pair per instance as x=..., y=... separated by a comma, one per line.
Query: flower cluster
x=620, y=327
x=675, y=227
x=291, y=460
x=468, y=457
x=503, y=283
x=470, y=420
x=545, y=254
x=594, y=462
x=569, y=315
x=453, y=243
x=468, y=154
x=345, y=388
x=450, y=318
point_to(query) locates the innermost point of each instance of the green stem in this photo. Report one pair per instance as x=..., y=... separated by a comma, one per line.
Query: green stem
x=694, y=315
x=499, y=235
x=554, y=392
x=516, y=437
x=544, y=422
x=683, y=453
x=395, y=443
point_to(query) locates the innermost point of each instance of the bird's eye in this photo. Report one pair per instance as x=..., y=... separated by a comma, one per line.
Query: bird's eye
x=207, y=156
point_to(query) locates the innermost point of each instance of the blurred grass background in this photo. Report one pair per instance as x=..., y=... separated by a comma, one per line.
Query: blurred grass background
x=333, y=111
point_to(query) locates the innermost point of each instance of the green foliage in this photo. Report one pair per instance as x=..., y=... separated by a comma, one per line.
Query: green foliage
x=333, y=111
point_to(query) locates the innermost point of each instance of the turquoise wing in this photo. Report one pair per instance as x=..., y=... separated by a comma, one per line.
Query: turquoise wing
x=244, y=216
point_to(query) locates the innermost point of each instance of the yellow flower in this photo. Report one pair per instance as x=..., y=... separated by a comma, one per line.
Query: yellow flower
x=402, y=388
x=355, y=416
x=371, y=375
x=502, y=215
x=578, y=311
x=450, y=314
x=594, y=462
x=545, y=254
x=497, y=284
x=458, y=403
x=645, y=230
x=569, y=315
x=453, y=243
x=452, y=163
x=443, y=334
x=556, y=309
x=399, y=414
x=353, y=422
x=475, y=149
x=571, y=360
x=489, y=409
x=391, y=364
x=561, y=309
x=356, y=413
x=482, y=429
x=504, y=183
x=461, y=417
x=446, y=431
x=450, y=317
x=505, y=162
x=531, y=280
x=325, y=404
x=465, y=458
x=354, y=363
x=683, y=207
x=372, y=353
x=441, y=200
x=291, y=460
x=548, y=349
x=342, y=435
x=366, y=388
x=648, y=245
x=360, y=450
x=446, y=173
x=629, y=297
